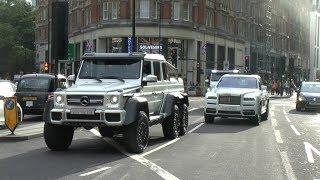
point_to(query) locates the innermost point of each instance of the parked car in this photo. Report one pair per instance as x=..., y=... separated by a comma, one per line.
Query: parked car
x=119, y=93
x=33, y=91
x=308, y=96
x=7, y=89
x=241, y=96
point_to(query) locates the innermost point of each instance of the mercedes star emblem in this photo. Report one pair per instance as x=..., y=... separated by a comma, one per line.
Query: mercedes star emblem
x=85, y=100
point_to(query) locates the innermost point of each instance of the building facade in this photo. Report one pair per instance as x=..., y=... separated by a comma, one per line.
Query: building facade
x=314, y=41
x=194, y=35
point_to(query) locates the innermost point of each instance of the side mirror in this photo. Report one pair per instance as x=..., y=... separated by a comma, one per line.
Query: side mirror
x=150, y=78
x=1, y=98
x=71, y=79
x=207, y=82
x=263, y=88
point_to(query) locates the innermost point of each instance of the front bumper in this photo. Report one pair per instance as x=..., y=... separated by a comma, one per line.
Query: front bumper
x=110, y=117
x=308, y=105
x=224, y=110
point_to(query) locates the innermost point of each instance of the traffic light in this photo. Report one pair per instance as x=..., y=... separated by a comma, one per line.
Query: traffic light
x=46, y=67
x=247, y=63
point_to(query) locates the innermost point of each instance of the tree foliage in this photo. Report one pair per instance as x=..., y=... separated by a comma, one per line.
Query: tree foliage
x=17, y=30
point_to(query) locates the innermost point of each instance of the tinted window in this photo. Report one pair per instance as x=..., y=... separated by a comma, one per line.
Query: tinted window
x=312, y=88
x=164, y=71
x=146, y=68
x=238, y=82
x=156, y=69
x=34, y=84
x=110, y=69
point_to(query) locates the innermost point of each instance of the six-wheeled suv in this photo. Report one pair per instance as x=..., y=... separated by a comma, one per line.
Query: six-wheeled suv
x=119, y=93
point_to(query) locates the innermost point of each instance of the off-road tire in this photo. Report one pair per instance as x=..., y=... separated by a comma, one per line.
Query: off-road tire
x=106, y=131
x=170, y=126
x=137, y=133
x=265, y=115
x=209, y=119
x=184, y=119
x=298, y=108
x=58, y=138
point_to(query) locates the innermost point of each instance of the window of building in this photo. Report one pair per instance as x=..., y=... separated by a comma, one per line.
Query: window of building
x=186, y=11
x=155, y=9
x=105, y=11
x=210, y=17
x=222, y=21
x=176, y=10
x=144, y=9
x=114, y=11
x=87, y=17
x=110, y=10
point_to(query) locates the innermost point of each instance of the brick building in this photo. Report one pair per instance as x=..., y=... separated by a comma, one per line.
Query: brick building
x=196, y=35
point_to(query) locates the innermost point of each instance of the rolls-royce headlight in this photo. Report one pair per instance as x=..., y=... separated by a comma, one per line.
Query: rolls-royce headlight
x=249, y=99
x=114, y=99
x=59, y=99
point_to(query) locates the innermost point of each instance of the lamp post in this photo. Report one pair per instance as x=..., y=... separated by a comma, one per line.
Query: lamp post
x=134, y=25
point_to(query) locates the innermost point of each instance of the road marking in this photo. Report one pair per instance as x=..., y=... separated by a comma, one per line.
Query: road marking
x=160, y=147
x=284, y=112
x=287, y=119
x=295, y=130
x=287, y=165
x=195, y=128
x=198, y=120
x=278, y=136
x=272, y=113
x=193, y=109
x=95, y=171
x=274, y=122
x=309, y=148
x=152, y=166
x=195, y=100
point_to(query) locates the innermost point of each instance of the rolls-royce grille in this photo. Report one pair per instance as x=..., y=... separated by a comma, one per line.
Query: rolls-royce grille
x=231, y=100
x=85, y=100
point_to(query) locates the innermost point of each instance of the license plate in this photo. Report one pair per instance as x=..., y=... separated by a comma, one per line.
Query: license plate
x=83, y=111
x=29, y=103
x=29, y=98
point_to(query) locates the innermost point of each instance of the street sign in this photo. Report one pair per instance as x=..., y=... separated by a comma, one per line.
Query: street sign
x=129, y=44
x=71, y=51
x=11, y=113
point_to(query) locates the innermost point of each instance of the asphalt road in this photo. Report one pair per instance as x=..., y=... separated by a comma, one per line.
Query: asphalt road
x=284, y=147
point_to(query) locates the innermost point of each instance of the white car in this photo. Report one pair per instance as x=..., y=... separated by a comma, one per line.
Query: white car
x=7, y=89
x=240, y=96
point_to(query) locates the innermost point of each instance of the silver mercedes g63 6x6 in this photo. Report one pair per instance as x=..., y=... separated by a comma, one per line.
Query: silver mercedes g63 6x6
x=120, y=94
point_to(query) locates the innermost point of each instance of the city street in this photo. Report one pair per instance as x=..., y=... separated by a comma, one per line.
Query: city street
x=284, y=147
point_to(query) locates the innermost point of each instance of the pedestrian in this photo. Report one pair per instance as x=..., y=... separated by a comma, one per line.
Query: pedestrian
x=274, y=87
x=287, y=87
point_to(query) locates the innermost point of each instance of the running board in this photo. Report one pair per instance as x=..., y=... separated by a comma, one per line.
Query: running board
x=156, y=119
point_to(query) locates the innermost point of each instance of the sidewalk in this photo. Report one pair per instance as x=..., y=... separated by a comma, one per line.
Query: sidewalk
x=23, y=132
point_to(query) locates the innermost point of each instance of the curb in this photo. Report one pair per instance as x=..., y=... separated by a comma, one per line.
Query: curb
x=20, y=137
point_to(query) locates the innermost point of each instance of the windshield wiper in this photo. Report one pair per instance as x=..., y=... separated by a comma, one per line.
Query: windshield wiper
x=113, y=77
x=91, y=77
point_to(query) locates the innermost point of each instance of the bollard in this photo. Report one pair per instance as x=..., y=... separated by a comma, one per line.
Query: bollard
x=11, y=113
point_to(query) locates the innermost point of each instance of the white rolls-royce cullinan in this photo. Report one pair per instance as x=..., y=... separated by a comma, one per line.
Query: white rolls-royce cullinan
x=239, y=96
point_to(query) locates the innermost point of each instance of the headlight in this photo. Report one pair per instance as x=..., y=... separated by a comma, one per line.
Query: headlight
x=249, y=99
x=59, y=99
x=302, y=98
x=114, y=99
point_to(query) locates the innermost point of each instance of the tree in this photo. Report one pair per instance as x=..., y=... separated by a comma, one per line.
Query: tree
x=17, y=30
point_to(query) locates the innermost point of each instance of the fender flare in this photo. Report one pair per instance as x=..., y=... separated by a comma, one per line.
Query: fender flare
x=171, y=99
x=46, y=112
x=133, y=106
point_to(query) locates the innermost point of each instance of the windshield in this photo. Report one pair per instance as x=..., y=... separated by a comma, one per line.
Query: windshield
x=110, y=69
x=238, y=82
x=34, y=84
x=216, y=76
x=310, y=88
